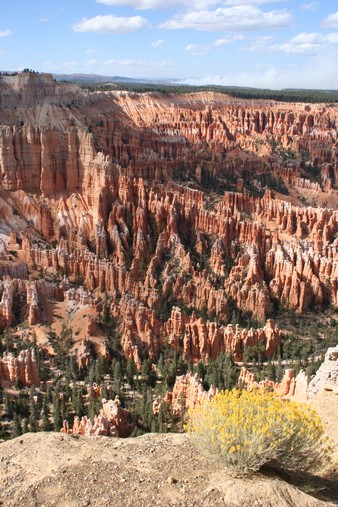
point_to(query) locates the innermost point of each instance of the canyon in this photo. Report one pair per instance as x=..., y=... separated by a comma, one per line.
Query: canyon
x=156, y=248
x=182, y=216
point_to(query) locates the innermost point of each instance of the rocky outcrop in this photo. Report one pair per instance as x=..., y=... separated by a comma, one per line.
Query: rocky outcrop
x=291, y=387
x=327, y=374
x=24, y=299
x=112, y=421
x=205, y=340
x=32, y=88
x=22, y=369
x=298, y=388
x=187, y=392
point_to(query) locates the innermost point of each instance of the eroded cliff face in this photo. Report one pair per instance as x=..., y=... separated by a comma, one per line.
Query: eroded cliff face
x=22, y=369
x=292, y=387
x=112, y=421
x=144, y=197
x=188, y=390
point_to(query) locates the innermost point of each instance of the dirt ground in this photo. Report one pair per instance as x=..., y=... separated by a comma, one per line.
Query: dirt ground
x=52, y=469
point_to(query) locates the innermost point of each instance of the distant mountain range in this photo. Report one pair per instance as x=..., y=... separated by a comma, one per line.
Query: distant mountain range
x=97, y=79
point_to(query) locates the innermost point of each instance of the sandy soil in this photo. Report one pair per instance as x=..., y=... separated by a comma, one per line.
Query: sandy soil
x=51, y=469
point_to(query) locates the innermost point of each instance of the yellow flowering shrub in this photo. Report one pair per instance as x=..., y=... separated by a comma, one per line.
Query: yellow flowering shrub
x=246, y=430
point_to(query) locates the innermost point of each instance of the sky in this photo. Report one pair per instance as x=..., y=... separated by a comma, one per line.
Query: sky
x=260, y=43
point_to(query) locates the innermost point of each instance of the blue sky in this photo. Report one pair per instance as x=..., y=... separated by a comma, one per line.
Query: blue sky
x=260, y=43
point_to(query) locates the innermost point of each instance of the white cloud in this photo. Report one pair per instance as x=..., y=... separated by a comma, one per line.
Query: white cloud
x=163, y=63
x=158, y=4
x=2, y=52
x=202, y=49
x=232, y=19
x=197, y=49
x=247, y=2
x=331, y=21
x=91, y=51
x=64, y=67
x=91, y=62
x=306, y=38
x=136, y=63
x=192, y=4
x=311, y=6
x=302, y=44
x=111, y=24
x=5, y=33
x=314, y=37
x=157, y=43
x=227, y=40
x=261, y=43
x=71, y=64
x=331, y=38
x=303, y=76
x=305, y=48
x=43, y=19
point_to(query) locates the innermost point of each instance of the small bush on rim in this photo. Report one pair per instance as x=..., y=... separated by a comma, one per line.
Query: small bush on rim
x=246, y=430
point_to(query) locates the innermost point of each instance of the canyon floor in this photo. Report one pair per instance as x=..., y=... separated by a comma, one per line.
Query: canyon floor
x=52, y=469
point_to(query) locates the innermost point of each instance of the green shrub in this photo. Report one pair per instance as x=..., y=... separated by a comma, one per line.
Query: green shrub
x=246, y=430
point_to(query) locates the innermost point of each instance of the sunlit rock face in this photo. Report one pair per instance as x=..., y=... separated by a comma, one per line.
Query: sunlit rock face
x=22, y=369
x=144, y=197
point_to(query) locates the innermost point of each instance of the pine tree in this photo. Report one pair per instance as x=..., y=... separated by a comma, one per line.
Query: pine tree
x=148, y=374
x=49, y=394
x=147, y=409
x=130, y=372
x=117, y=377
x=64, y=410
x=45, y=424
x=91, y=374
x=279, y=370
x=201, y=370
x=91, y=410
x=33, y=424
x=25, y=428
x=22, y=405
x=230, y=372
x=154, y=425
x=57, y=412
x=104, y=392
x=246, y=356
x=8, y=406
x=74, y=368
x=77, y=401
x=16, y=428
x=160, y=364
x=100, y=368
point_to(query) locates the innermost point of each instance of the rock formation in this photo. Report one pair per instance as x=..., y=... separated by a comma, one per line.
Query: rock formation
x=327, y=374
x=207, y=340
x=291, y=387
x=112, y=421
x=123, y=193
x=187, y=392
x=22, y=369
